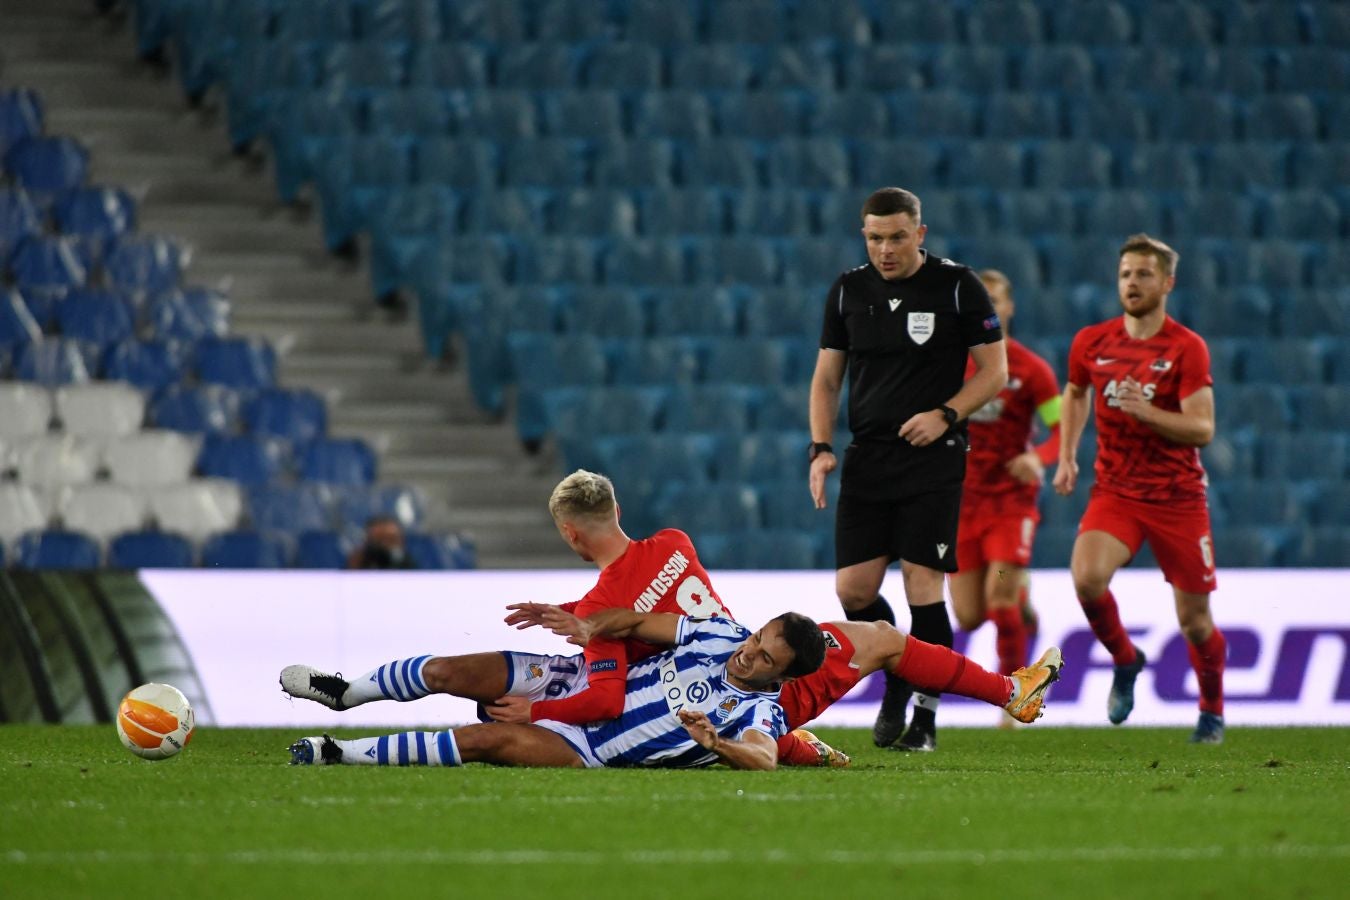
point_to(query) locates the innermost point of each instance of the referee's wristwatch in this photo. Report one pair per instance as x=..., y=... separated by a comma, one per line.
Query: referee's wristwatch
x=948, y=414
x=817, y=448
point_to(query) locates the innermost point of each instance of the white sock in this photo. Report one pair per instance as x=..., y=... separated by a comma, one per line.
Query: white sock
x=926, y=701
x=408, y=748
x=399, y=680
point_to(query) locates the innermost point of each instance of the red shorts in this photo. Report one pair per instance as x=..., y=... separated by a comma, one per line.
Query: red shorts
x=805, y=698
x=995, y=528
x=1179, y=536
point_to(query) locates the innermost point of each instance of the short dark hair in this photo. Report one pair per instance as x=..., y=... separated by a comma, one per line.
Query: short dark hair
x=891, y=200
x=1148, y=245
x=807, y=643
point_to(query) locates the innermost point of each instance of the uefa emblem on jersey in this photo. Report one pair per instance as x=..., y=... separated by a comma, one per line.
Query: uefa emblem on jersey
x=920, y=326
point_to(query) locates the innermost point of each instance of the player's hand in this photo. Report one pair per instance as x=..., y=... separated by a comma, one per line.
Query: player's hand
x=526, y=615
x=1026, y=468
x=561, y=622
x=1130, y=399
x=513, y=710
x=1066, y=477
x=822, y=465
x=924, y=428
x=699, y=728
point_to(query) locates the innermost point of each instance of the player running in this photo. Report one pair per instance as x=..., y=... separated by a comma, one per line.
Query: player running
x=1155, y=410
x=1004, y=473
x=712, y=698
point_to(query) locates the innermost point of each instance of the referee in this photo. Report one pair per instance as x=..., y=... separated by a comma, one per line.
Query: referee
x=902, y=327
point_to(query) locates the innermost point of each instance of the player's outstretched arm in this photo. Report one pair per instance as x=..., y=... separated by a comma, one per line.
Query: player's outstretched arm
x=1074, y=413
x=754, y=751
x=654, y=628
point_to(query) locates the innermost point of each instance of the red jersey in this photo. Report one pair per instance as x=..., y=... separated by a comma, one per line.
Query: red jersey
x=1002, y=428
x=661, y=574
x=1133, y=460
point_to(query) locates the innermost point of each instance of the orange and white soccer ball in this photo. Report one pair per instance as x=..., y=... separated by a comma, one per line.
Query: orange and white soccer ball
x=155, y=721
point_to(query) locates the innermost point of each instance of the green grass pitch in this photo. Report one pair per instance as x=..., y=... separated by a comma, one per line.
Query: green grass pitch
x=1040, y=812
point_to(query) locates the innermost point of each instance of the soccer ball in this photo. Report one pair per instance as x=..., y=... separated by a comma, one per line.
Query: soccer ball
x=155, y=721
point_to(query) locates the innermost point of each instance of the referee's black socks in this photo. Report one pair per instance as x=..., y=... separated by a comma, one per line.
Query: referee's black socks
x=932, y=625
x=879, y=611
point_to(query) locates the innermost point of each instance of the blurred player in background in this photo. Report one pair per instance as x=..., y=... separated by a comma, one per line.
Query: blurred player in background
x=1155, y=410
x=902, y=328
x=1004, y=473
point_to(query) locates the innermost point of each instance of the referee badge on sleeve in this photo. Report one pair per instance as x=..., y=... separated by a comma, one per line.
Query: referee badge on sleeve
x=920, y=326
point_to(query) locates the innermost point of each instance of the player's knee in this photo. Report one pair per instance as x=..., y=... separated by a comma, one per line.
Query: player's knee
x=1090, y=583
x=968, y=619
x=853, y=599
x=1196, y=626
x=438, y=675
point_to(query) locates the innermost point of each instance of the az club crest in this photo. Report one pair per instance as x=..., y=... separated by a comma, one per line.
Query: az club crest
x=831, y=642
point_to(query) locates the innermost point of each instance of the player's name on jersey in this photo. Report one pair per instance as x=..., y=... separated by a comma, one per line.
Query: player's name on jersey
x=662, y=583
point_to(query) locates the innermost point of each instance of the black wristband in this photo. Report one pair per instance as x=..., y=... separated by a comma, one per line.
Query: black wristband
x=949, y=414
x=817, y=448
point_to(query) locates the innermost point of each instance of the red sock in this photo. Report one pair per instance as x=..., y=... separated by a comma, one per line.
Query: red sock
x=796, y=752
x=938, y=670
x=1207, y=660
x=1104, y=617
x=1012, y=638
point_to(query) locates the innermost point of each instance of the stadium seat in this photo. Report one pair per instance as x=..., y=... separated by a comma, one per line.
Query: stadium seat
x=1312, y=453
x=292, y=509
x=638, y=163
x=351, y=176
x=22, y=509
x=244, y=550
x=57, y=549
x=1068, y=69
x=817, y=262
x=678, y=211
x=1276, y=117
x=812, y=163
x=762, y=550
x=1234, y=71
x=711, y=67
x=760, y=114
x=703, y=510
x=722, y=162
x=1197, y=116
x=322, y=550
x=340, y=461
x=197, y=509
x=100, y=410
x=761, y=456
x=710, y=407
x=1213, y=212
x=1075, y=261
x=535, y=65
x=1016, y=23
x=623, y=66
x=1015, y=257
x=998, y=165
x=47, y=166
x=1324, y=548
x=1093, y=23
x=873, y=71
x=1264, y=407
x=21, y=116
x=739, y=259
x=659, y=22
x=1262, y=502
x=1231, y=456
x=646, y=261
x=56, y=361
x=807, y=67
x=100, y=318
x=101, y=510
x=145, y=263
x=1287, y=361
x=149, y=365
x=753, y=361
x=1303, y=215
x=236, y=362
x=1108, y=116
x=19, y=219
x=590, y=114
x=1121, y=212
x=358, y=503
x=251, y=461
x=842, y=20
x=48, y=263
x=1321, y=406
x=151, y=458
x=149, y=550
x=207, y=409
x=686, y=115
x=25, y=410
x=598, y=212
x=777, y=312
x=432, y=66
x=944, y=113
x=1071, y=165
x=439, y=551
x=1309, y=70
x=190, y=314
x=658, y=361
x=1014, y=115
x=545, y=163
x=915, y=21
x=747, y=22
x=1247, y=164
x=96, y=215
x=363, y=65
x=574, y=21
x=297, y=415
x=457, y=162
x=1255, y=546
x=1159, y=167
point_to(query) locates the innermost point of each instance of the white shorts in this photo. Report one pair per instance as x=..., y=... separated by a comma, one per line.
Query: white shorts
x=575, y=735
x=542, y=677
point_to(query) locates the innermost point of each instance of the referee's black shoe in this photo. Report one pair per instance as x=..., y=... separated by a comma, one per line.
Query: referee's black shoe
x=921, y=736
x=890, y=722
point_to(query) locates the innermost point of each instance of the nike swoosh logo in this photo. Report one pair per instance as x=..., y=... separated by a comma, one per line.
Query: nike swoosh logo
x=1104, y=362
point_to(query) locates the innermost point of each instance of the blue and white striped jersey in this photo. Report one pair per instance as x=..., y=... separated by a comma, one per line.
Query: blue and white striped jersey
x=691, y=675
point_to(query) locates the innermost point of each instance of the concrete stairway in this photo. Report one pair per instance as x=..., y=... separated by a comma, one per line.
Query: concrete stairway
x=316, y=309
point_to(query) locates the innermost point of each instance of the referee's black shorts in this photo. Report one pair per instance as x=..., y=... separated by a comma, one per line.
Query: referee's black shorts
x=901, y=503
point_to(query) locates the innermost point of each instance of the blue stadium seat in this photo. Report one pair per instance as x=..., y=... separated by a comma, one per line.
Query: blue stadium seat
x=409, y=21
x=1310, y=70
x=364, y=65
x=1286, y=361
x=149, y=550
x=297, y=415
x=97, y=317
x=1262, y=24
x=315, y=20
x=401, y=222
x=17, y=325
x=1303, y=215
x=149, y=365
x=1108, y=116
x=251, y=75
x=1311, y=453
x=1236, y=71
x=1122, y=212
x=760, y=114
x=440, y=551
x=244, y=550
x=858, y=114
x=808, y=67
x=458, y=65
x=659, y=22
x=46, y=263
x=322, y=550
x=358, y=503
x=599, y=212
x=144, y=263
x=251, y=461
x=583, y=114
x=710, y=407
x=643, y=464
x=759, y=550
x=556, y=260
x=1015, y=257
x=786, y=503
x=1335, y=109
x=914, y=21
x=1273, y=263
x=847, y=21
x=818, y=162
x=545, y=162
x=1159, y=167
x=1015, y=23
x=1286, y=117
x=1317, y=312
x=542, y=362
x=778, y=312
x=491, y=21
x=606, y=313
x=236, y=362
x=1247, y=311
x=1324, y=548
x=21, y=116
x=1231, y=456
x=19, y=219
x=500, y=116
x=575, y=21
x=1255, y=546
x=1054, y=546
x=623, y=66
x=341, y=461
x=290, y=510
x=1196, y=116
x=1184, y=24
x=457, y=162
x=639, y=163
x=1028, y=211
x=1245, y=165
x=741, y=259
x=56, y=361
x=1013, y=115
x=512, y=210
x=724, y=162
x=703, y=310
x=1067, y=69
x=401, y=113
x=1321, y=406
x=1148, y=67
x=754, y=361
x=762, y=456
x=1072, y=165
x=1073, y=261
x=878, y=69
x=189, y=314
x=998, y=165
x=578, y=413
x=1213, y=212
x=1093, y=23
x=659, y=361
x=57, y=549
x=701, y=510
x=680, y=114
x=944, y=113
x=799, y=213
x=352, y=177
x=95, y=215
x=1262, y=502
x=304, y=124
x=817, y=262
x=47, y=166
x=1329, y=503
x=711, y=67
x=646, y=261
x=747, y=22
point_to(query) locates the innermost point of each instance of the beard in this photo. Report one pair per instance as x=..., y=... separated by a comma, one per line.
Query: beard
x=1142, y=307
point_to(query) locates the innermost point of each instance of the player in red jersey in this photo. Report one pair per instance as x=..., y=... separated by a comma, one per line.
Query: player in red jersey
x=1155, y=410
x=1004, y=473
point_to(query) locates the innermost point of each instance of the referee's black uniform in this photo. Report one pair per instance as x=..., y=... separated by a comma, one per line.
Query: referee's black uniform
x=907, y=343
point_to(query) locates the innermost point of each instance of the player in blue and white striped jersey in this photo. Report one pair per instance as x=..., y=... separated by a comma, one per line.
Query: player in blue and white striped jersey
x=711, y=698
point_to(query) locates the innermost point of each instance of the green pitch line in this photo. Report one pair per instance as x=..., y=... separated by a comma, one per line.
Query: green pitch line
x=1032, y=813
